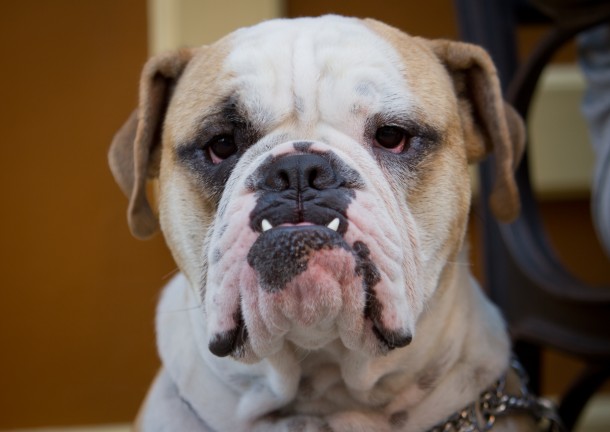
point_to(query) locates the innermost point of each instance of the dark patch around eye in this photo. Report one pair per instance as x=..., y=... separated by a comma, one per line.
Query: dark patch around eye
x=227, y=120
x=405, y=165
x=423, y=136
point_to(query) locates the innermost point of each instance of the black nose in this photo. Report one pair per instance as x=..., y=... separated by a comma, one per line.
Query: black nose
x=300, y=172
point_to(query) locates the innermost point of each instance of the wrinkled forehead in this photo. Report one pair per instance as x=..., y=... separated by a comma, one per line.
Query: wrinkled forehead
x=328, y=47
x=311, y=66
x=335, y=71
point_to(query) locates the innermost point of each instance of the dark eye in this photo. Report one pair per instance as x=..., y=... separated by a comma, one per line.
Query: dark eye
x=391, y=138
x=221, y=147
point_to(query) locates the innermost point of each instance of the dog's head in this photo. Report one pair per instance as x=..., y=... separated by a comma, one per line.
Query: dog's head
x=313, y=176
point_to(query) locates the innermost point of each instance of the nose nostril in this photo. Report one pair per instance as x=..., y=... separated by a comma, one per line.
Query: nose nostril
x=300, y=172
x=284, y=180
x=311, y=179
x=278, y=180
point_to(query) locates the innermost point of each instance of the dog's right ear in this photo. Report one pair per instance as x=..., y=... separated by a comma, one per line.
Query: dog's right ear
x=134, y=153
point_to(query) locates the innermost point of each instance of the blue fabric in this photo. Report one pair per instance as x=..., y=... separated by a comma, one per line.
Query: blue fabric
x=594, y=55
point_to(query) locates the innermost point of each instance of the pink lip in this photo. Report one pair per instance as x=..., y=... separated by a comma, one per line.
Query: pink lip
x=299, y=224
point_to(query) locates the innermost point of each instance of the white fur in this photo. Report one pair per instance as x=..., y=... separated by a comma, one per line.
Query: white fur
x=464, y=334
x=302, y=66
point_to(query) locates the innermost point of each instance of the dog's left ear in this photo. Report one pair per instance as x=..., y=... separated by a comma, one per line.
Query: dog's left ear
x=135, y=151
x=490, y=125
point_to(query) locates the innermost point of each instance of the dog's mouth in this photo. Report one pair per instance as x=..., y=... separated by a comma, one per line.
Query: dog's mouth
x=309, y=269
x=280, y=254
x=333, y=225
x=306, y=275
x=308, y=209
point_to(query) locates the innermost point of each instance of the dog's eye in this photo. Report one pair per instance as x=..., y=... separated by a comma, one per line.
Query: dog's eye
x=221, y=147
x=391, y=138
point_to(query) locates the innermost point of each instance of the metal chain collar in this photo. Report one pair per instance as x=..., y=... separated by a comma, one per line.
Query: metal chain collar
x=481, y=415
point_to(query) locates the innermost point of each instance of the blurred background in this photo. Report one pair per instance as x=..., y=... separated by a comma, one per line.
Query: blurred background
x=78, y=293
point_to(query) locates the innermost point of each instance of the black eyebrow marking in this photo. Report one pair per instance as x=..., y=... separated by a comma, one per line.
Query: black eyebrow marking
x=229, y=111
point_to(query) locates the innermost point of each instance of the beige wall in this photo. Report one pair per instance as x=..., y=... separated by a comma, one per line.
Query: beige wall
x=178, y=23
x=77, y=292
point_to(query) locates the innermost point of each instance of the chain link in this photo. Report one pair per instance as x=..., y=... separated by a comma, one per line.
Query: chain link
x=481, y=415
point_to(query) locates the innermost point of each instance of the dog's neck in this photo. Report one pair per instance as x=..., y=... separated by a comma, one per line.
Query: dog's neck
x=460, y=347
x=442, y=355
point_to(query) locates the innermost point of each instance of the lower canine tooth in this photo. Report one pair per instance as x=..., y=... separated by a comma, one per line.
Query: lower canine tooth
x=265, y=225
x=334, y=224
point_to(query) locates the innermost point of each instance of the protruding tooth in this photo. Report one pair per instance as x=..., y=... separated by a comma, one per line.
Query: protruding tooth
x=334, y=224
x=266, y=225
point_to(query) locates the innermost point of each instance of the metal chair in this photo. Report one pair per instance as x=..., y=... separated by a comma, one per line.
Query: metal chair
x=544, y=304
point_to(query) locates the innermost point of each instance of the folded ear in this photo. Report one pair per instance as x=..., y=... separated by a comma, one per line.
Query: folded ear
x=490, y=125
x=135, y=151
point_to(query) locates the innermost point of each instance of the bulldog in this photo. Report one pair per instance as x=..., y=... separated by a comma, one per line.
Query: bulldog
x=312, y=184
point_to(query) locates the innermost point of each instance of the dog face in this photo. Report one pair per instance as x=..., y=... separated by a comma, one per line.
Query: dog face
x=313, y=177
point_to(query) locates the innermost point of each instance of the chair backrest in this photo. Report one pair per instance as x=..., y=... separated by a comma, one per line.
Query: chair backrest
x=544, y=304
